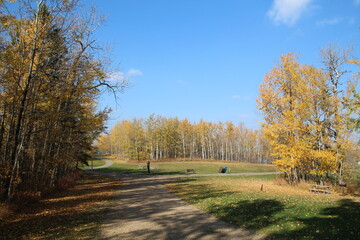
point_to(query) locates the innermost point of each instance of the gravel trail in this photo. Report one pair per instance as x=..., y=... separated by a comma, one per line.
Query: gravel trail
x=144, y=209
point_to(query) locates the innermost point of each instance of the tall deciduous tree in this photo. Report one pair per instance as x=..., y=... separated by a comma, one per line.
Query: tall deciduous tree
x=303, y=120
x=334, y=61
x=161, y=137
x=352, y=101
x=50, y=79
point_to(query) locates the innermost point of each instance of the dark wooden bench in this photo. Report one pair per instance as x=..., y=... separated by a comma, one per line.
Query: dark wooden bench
x=321, y=189
x=190, y=171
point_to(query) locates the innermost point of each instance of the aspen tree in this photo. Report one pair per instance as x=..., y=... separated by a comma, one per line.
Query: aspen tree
x=184, y=131
x=301, y=112
x=334, y=61
x=50, y=80
x=352, y=101
x=159, y=137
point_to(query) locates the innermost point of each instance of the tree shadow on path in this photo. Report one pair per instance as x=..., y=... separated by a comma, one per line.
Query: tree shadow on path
x=146, y=210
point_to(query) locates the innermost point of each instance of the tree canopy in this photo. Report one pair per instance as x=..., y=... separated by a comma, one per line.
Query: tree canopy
x=305, y=117
x=158, y=137
x=50, y=76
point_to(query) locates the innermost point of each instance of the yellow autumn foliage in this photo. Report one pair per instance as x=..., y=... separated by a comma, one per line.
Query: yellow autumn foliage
x=303, y=122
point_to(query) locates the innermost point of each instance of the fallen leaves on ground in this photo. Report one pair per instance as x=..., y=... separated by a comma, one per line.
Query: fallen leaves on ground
x=72, y=214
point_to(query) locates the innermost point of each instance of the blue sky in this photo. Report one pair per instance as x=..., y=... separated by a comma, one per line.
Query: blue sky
x=205, y=59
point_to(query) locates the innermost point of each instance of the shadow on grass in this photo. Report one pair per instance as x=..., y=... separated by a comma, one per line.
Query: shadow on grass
x=71, y=214
x=341, y=222
x=251, y=215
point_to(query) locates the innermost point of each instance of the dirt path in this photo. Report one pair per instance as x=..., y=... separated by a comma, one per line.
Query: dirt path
x=108, y=163
x=144, y=209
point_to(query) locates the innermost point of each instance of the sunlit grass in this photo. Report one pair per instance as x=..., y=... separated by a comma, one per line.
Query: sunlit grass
x=279, y=211
x=180, y=167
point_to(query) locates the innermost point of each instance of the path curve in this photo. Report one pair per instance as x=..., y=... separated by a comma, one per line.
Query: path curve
x=108, y=163
x=144, y=209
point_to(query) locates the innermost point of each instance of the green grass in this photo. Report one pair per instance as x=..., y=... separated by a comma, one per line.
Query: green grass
x=93, y=163
x=279, y=211
x=178, y=167
x=355, y=172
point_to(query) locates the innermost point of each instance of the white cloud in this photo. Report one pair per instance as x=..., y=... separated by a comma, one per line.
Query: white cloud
x=336, y=20
x=116, y=77
x=357, y=2
x=182, y=82
x=330, y=21
x=134, y=72
x=240, y=98
x=287, y=11
x=243, y=116
x=352, y=20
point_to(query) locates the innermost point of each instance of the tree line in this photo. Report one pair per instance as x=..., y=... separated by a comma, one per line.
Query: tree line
x=51, y=73
x=158, y=137
x=310, y=114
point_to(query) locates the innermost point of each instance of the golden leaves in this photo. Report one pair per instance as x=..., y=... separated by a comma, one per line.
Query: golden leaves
x=301, y=117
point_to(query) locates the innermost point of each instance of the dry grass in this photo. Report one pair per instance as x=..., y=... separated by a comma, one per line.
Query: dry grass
x=273, y=187
x=71, y=214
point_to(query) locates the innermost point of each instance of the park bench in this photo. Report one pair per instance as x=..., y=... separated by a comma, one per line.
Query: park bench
x=321, y=189
x=190, y=170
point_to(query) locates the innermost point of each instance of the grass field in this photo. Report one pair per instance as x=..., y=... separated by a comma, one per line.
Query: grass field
x=180, y=167
x=71, y=214
x=93, y=163
x=279, y=211
x=355, y=173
